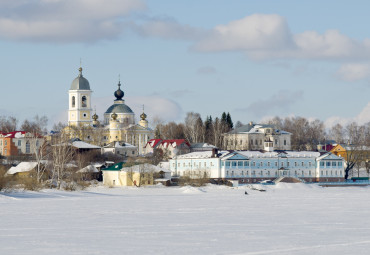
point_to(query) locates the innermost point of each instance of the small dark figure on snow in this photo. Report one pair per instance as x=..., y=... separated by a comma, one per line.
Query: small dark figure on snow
x=245, y=193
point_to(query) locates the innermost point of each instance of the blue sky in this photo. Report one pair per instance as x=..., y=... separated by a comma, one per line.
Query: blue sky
x=254, y=59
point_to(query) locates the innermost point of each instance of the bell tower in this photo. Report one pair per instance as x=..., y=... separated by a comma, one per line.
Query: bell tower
x=79, y=113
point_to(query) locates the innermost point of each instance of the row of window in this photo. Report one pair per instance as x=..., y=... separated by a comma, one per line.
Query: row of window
x=251, y=142
x=268, y=173
x=196, y=164
x=330, y=164
x=243, y=164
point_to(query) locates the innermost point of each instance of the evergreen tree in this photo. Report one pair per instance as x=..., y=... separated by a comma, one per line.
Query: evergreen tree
x=229, y=121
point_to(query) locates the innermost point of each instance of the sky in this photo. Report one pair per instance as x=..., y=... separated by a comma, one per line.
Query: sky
x=254, y=59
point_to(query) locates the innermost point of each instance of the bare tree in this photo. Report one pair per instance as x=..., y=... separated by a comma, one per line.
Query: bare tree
x=41, y=155
x=62, y=154
x=192, y=127
x=8, y=124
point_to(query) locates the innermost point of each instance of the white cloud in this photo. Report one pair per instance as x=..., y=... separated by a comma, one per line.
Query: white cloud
x=282, y=100
x=255, y=32
x=353, y=71
x=362, y=118
x=65, y=21
x=268, y=36
x=167, y=28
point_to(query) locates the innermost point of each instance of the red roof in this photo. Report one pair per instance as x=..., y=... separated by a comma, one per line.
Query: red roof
x=165, y=143
x=153, y=143
x=17, y=134
x=175, y=142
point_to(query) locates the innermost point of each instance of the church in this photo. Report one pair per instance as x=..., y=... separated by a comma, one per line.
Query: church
x=118, y=124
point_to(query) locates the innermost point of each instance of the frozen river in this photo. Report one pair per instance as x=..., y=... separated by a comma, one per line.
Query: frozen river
x=286, y=219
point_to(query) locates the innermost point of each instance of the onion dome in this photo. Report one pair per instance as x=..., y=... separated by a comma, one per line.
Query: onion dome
x=143, y=116
x=95, y=117
x=80, y=83
x=114, y=116
x=119, y=93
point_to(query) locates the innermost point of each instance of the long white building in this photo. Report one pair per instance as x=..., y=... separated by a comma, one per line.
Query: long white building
x=254, y=166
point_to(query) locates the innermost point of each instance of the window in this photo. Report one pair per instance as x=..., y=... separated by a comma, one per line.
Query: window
x=295, y=164
x=276, y=163
x=335, y=163
x=240, y=164
x=73, y=102
x=328, y=164
x=84, y=101
x=268, y=163
x=19, y=142
x=284, y=142
x=309, y=164
x=227, y=164
x=205, y=164
x=261, y=142
x=302, y=163
x=227, y=173
x=282, y=164
x=234, y=163
x=232, y=173
x=28, y=147
x=246, y=163
x=254, y=164
x=222, y=163
x=322, y=163
x=242, y=173
x=241, y=142
x=85, y=115
x=276, y=142
x=339, y=163
x=288, y=164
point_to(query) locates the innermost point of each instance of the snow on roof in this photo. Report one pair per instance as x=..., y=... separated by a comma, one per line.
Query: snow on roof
x=202, y=145
x=83, y=145
x=119, y=145
x=22, y=167
x=88, y=169
x=199, y=154
x=275, y=154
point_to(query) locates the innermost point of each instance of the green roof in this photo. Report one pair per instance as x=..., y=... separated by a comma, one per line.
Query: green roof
x=115, y=167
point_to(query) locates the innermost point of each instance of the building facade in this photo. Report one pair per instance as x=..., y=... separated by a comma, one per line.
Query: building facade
x=254, y=166
x=19, y=143
x=253, y=137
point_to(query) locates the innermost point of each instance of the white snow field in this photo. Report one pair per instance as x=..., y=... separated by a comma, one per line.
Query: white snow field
x=286, y=219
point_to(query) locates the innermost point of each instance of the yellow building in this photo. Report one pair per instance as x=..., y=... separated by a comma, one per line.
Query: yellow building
x=137, y=175
x=118, y=123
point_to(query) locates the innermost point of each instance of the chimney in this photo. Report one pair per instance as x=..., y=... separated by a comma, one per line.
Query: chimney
x=214, y=153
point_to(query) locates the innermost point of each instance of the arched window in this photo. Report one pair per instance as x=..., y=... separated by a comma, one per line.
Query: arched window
x=84, y=101
x=73, y=101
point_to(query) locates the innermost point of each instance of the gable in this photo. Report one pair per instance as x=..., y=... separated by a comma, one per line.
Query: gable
x=237, y=156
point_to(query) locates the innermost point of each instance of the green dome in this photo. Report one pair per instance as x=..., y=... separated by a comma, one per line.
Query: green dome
x=119, y=108
x=80, y=83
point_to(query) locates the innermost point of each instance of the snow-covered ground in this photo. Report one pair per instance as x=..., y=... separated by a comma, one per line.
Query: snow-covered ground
x=286, y=219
